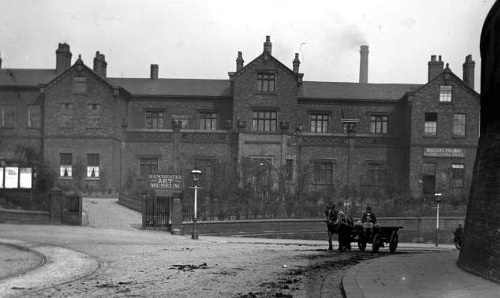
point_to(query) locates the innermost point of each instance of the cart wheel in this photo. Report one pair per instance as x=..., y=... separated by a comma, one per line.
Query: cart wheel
x=362, y=243
x=376, y=243
x=393, y=242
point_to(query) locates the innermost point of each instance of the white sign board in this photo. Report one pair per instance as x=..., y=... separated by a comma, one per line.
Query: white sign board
x=11, y=175
x=25, y=176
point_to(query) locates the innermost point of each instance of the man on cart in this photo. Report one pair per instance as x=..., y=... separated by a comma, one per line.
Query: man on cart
x=368, y=219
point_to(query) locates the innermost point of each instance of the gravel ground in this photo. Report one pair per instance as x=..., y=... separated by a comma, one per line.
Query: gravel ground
x=15, y=261
x=136, y=263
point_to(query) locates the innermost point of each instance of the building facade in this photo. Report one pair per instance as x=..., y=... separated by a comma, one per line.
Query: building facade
x=315, y=135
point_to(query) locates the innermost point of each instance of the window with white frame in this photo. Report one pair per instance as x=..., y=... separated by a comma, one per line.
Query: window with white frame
x=319, y=122
x=208, y=121
x=265, y=82
x=445, y=93
x=92, y=165
x=66, y=165
x=430, y=125
x=378, y=124
x=154, y=119
x=264, y=120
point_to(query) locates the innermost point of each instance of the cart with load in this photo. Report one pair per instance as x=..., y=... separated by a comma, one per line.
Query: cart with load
x=376, y=235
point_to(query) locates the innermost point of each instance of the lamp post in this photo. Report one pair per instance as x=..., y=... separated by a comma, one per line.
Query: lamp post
x=349, y=127
x=438, y=201
x=196, y=177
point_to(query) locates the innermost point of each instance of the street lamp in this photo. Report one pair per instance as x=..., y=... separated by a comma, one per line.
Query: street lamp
x=196, y=177
x=438, y=201
x=349, y=127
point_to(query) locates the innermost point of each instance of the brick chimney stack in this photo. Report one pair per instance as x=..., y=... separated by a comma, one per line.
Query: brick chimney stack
x=363, y=65
x=468, y=68
x=63, y=58
x=154, y=71
x=239, y=61
x=435, y=67
x=296, y=63
x=268, y=46
x=100, y=64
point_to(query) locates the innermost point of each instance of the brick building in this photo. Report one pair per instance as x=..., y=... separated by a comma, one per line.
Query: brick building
x=319, y=134
x=480, y=253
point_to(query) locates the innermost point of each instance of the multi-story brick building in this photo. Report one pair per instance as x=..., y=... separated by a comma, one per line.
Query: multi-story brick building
x=345, y=135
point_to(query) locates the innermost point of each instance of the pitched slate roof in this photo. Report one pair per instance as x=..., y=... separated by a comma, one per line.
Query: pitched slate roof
x=26, y=77
x=335, y=90
x=173, y=87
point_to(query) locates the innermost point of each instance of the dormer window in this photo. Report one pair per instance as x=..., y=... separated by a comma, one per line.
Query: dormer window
x=445, y=92
x=265, y=82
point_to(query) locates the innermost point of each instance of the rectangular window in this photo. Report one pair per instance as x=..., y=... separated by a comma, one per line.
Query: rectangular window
x=375, y=174
x=323, y=172
x=148, y=166
x=430, y=126
x=208, y=121
x=66, y=165
x=92, y=165
x=34, y=116
x=66, y=115
x=445, y=92
x=319, y=122
x=93, y=115
x=458, y=175
x=265, y=82
x=7, y=116
x=378, y=124
x=1, y=177
x=264, y=121
x=154, y=119
x=79, y=85
x=459, y=121
x=429, y=178
x=289, y=170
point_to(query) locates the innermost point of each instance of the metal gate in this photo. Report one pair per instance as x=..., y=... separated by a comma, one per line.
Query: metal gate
x=156, y=213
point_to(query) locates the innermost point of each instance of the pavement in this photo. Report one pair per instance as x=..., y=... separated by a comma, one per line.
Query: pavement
x=431, y=272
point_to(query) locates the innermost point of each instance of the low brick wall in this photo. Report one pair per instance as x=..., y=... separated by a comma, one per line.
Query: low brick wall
x=418, y=230
x=24, y=216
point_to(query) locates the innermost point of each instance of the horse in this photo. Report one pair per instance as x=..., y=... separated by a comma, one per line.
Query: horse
x=338, y=223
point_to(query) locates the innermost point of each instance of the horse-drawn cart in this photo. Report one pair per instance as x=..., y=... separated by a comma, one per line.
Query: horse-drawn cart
x=376, y=236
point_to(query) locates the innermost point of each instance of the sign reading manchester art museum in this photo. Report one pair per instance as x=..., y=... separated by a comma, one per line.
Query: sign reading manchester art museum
x=444, y=152
x=166, y=182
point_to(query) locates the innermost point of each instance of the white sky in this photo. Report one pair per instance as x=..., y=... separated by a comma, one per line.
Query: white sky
x=200, y=39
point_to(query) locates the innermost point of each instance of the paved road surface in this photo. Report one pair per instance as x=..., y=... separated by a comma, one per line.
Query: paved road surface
x=108, y=214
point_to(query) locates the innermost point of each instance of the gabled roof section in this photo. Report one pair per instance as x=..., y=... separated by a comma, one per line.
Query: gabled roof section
x=80, y=67
x=451, y=76
x=13, y=77
x=174, y=87
x=265, y=55
x=354, y=91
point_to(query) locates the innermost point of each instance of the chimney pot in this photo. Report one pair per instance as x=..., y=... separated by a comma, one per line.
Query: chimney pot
x=363, y=64
x=63, y=58
x=100, y=64
x=154, y=71
x=435, y=68
x=468, y=71
x=239, y=61
x=296, y=63
x=268, y=46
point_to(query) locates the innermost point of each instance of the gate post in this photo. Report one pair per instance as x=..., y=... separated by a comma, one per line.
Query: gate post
x=177, y=228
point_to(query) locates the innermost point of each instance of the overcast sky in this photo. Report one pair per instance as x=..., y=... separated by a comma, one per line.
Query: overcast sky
x=200, y=39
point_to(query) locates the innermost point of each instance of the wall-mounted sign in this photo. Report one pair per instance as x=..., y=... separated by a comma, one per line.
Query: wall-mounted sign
x=168, y=182
x=444, y=152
